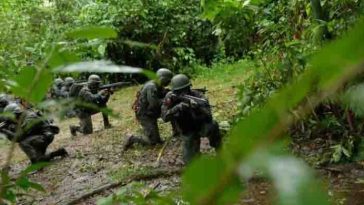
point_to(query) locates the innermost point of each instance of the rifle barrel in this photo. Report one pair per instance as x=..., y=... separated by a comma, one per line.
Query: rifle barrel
x=114, y=85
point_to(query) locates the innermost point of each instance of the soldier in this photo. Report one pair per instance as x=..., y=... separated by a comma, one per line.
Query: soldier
x=34, y=135
x=68, y=82
x=95, y=100
x=147, y=109
x=4, y=101
x=191, y=112
x=56, y=89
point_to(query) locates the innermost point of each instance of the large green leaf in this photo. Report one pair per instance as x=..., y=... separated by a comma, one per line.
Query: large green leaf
x=34, y=167
x=330, y=69
x=205, y=175
x=32, y=84
x=92, y=32
x=292, y=178
x=60, y=58
x=102, y=66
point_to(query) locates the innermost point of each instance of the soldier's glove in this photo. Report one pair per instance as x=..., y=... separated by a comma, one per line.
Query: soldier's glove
x=104, y=92
x=193, y=104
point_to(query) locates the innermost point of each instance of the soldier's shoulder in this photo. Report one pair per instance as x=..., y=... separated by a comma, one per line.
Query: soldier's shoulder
x=150, y=85
x=85, y=89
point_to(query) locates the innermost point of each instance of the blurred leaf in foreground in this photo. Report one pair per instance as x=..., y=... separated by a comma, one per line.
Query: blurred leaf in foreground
x=32, y=84
x=330, y=69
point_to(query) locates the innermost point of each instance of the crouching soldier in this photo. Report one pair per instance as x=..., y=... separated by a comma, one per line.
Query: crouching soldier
x=147, y=109
x=191, y=112
x=32, y=132
x=65, y=90
x=56, y=92
x=92, y=99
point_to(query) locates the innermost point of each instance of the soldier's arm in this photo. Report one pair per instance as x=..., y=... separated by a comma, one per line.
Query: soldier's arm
x=90, y=97
x=170, y=109
x=153, y=98
x=64, y=92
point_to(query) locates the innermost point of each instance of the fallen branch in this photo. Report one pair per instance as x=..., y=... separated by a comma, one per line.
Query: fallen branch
x=136, y=177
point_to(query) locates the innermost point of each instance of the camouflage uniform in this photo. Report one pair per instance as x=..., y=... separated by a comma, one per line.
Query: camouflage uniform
x=192, y=120
x=4, y=101
x=66, y=87
x=65, y=91
x=91, y=97
x=150, y=101
x=56, y=92
x=35, y=135
x=148, y=109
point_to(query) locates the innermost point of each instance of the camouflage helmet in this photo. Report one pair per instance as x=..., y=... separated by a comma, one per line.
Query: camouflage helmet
x=58, y=81
x=94, y=79
x=13, y=108
x=164, y=73
x=4, y=100
x=179, y=82
x=69, y=80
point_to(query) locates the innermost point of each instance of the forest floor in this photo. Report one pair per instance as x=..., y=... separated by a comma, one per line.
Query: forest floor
x=97, y=160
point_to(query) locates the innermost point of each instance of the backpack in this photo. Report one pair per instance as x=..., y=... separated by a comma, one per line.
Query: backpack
x=75, y=89
x=136, y=104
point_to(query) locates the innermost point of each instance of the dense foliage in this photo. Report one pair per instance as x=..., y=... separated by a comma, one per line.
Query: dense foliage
x=289, y=89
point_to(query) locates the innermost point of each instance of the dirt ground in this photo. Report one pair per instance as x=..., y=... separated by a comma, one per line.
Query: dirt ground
x=96, y=160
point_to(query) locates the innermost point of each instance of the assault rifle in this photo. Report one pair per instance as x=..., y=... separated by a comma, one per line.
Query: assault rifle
x=190, y=99
x=114, y=86
x=202, y=90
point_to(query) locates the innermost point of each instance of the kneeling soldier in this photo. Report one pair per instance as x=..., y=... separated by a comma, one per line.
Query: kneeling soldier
x=94, y=99
x=190, y=111
x=147, y=109
x=32, y=132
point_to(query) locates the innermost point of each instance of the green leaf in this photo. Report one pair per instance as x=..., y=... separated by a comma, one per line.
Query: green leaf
x=36, y=186
x=200, y=178
x=60, y=58
x=34, y=167
x=32, y=84
x=330, y=69
x=10, y=195
x=100, y=66
x=92, y=32
x=294, y=181
x=23, y=182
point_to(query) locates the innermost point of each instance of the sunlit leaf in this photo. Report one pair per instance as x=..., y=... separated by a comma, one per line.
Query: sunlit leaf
x=330, y=68
x=60, y=58
x=34, y=167
x=36, y=186
x=201, y=178
x=32, y=84
x=92, y=32
x=294, y=181
x=100, y=66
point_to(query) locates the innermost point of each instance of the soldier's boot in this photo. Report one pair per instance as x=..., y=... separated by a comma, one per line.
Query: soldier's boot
x=58, y=153
x=73, y=130
x=191, y=148
x=129, y=142
x=214, y=135
x=107, y=124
